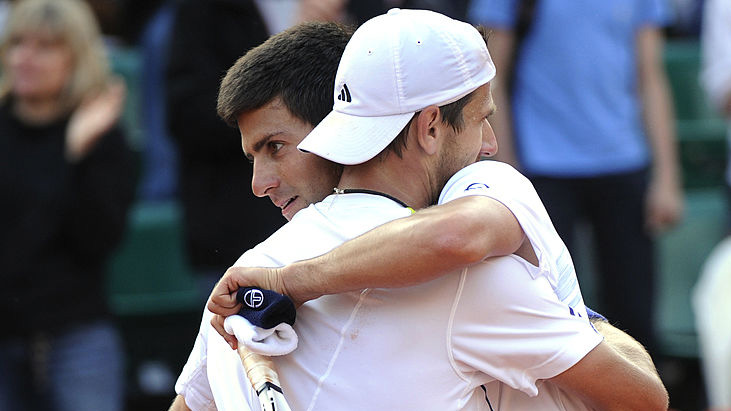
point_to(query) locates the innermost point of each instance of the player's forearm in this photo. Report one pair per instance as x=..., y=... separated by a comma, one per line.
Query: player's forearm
x=647, y=391
x=627, y=347
x=408, y=251
x=646, y=376
x=644, y=392
x=622, y=384
x=404, y=252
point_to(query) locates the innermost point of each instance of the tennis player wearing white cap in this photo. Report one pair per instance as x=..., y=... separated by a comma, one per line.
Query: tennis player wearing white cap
x=431, y=346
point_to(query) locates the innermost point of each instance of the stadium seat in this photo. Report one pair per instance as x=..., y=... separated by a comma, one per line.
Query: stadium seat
x=702, y=150
x=701, y=131
x=149, y=274
x=682, y=254
x=153, y=294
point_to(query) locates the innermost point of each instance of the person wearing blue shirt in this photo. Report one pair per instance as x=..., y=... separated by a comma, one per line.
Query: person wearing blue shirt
x=587, y=115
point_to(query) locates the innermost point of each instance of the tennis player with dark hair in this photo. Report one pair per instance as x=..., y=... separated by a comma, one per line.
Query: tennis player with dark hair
x=285, y=87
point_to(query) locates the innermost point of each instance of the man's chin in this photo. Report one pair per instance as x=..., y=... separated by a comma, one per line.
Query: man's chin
x=292, y=209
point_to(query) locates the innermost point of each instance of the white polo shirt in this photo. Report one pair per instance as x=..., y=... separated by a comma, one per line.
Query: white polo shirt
x=503, y=183
x=427, y=347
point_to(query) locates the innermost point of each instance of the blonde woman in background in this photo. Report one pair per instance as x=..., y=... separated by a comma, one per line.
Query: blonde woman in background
x=67, y=181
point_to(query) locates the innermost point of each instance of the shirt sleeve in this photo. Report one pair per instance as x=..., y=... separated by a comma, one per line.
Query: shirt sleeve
x=593, y=315
x=503, y=183
x=193, y=383
x=511, y=326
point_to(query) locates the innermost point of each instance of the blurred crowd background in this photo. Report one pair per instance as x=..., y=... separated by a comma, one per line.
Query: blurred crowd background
x=124, y=201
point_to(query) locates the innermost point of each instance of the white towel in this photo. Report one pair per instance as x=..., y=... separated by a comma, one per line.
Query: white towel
x=279, y=340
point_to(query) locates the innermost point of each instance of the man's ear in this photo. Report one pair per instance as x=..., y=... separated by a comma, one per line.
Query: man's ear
x=428, y=129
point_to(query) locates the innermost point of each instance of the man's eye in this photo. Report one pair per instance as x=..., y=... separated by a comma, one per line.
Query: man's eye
x=275, y=146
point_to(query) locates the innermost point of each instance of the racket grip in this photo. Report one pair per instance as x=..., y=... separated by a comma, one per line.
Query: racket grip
x=259, y=369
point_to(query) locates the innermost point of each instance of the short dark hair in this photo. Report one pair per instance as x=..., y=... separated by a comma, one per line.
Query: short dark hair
x=298, y=65
x=451, y=113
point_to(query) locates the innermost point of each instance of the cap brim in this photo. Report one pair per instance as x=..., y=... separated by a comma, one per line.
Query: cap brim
x=347, y=139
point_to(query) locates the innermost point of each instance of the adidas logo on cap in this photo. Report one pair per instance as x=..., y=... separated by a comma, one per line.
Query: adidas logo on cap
x=344, y=94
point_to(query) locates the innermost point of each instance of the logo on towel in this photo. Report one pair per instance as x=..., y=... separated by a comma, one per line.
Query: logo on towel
x=344, y=94
x=254, y=298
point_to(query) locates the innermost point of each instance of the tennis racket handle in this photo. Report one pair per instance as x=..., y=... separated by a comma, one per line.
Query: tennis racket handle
x=259, y=368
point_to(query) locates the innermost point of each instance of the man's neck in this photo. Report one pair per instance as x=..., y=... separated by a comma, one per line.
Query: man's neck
x=403, y=179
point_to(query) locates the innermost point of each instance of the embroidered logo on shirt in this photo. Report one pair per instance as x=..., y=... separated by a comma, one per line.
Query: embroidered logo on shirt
x=574, y=313
x=476, y=186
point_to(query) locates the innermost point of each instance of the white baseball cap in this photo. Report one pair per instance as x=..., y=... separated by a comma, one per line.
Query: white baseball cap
x=395, y=65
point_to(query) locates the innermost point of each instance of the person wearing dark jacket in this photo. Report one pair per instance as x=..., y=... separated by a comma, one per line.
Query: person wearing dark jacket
x=221, y=215
x=67, y=181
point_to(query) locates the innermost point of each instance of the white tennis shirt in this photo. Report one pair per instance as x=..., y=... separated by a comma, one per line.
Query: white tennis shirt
x=427, y=347
x=503, y=183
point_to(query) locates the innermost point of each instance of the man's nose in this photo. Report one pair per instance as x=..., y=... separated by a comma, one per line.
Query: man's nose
x=489, y=142
x=262, y=180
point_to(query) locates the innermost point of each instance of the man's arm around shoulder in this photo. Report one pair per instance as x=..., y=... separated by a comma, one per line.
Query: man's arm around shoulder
x=617, y=374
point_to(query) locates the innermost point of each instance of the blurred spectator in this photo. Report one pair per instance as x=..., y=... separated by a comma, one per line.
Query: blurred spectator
x=159, y=180
x=327, y=10
x=589, y=120
x=133, y=17
x=4, y=11
x=359, y=11
x=687, y=18
x=278, y=15
x=710, y=297
x=716, y=67
x=67, y=181
x=221, y=215
x=712, y=309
